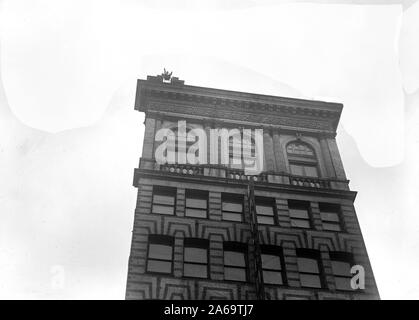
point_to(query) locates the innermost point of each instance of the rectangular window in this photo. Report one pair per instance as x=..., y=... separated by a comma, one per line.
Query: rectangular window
x=195, y=258
x=296, y=169
x=330, y=214
x=163, y=200
x=196, y=203
x=235, y=151
x=265, y=210
x=241, y=149
x=235, y=261
x=308, y=262
x=160, y=254
x=180, y=142
x=341, y=268
x=232, y=207
x=304, y=170
x=310, y=171
x=299, y=214
x=272, y=265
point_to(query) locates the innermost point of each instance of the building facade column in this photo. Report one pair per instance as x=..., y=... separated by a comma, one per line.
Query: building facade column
x=330, y=170
x=149, y=134
x=336, y=160
x=268, y=151
x=281, y=166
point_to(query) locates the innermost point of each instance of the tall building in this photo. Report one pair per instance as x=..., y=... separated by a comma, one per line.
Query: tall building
x=214, y=231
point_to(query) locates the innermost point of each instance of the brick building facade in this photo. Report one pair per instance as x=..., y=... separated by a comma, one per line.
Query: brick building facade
x=192, y=235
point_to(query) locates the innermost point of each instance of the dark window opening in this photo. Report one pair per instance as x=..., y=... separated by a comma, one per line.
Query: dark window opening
x=330, y=215
x=309, y=267
x=342, y=263
x=235, y=261
x=195, y=258
x=273, y=265
x=160, y=254
x=306, y=170
x=232, y=207
x=164, y=199
x=241, y=148
x=265, y=210
x=299, y=214
x=302, y=159
x=196, y=203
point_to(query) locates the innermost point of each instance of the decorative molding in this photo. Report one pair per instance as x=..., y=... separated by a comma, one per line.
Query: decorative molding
x=275, y=187
x=217, y=100
x=218, y=122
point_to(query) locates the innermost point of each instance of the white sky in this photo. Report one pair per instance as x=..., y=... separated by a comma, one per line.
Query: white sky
x=69, y=137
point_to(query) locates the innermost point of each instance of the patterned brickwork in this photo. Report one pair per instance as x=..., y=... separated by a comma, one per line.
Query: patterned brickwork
x=283, y=121
x=218, y=231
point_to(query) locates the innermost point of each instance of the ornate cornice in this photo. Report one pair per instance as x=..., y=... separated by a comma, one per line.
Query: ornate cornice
x=155, y=94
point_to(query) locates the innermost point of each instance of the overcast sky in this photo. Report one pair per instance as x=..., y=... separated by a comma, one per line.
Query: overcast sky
x=70, y=138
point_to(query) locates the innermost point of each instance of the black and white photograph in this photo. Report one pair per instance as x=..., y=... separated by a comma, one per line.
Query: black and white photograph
x=209, y=150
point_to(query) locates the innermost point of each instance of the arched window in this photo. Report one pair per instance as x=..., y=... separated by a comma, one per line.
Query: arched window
x=302, y=159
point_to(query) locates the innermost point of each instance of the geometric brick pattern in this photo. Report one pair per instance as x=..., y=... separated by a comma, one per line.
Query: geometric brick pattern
x=283, y=120
x=218, y=231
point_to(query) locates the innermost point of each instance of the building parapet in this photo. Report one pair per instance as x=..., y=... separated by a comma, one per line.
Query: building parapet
x=237, y=175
